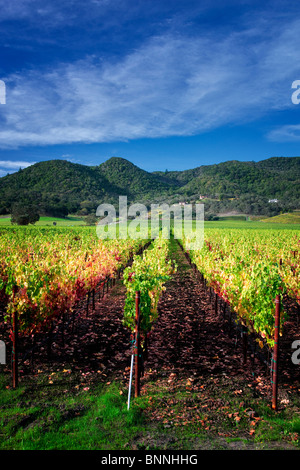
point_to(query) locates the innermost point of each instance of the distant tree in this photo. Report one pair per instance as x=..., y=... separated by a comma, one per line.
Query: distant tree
x=91, y=219
x=89, y=205
x=211, y=217
x=83, y=212
x=55, y=210
x=24, y=214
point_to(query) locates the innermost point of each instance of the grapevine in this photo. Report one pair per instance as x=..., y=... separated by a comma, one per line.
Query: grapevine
x=44, y=273
x=248, y=269
x=147, y=275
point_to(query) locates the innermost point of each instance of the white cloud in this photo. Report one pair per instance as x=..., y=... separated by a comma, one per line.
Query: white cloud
x=173, y=85
x=287, y=133
x=14, y=165
x=48, y=15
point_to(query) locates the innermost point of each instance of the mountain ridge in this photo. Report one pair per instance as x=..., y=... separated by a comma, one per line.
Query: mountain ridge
x=60, y=187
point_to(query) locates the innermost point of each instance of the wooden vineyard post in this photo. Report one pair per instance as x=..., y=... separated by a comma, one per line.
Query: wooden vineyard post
x=137, y=343
x=275, y=354
x=15, y=350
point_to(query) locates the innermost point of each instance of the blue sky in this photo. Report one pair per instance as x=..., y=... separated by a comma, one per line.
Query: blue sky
x=166, y=84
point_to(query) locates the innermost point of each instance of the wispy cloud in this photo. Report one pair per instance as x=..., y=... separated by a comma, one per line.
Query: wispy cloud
x=53, y=14
x=173, y=84
x=11, y=166
x=14, y=165
x=286, y=133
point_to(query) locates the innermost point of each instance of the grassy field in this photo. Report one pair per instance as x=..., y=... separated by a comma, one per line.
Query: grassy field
x=252, y=224
x=63, y=413
x=69, y=221
x=280, y=222
x=289, y=218
x=237, y=223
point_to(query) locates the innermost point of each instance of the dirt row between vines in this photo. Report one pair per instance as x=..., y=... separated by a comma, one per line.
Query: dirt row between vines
x=194, y=369
x=193, y=349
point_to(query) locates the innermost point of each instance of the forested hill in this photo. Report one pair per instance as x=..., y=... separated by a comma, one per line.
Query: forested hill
x=243, y=186
x=60, y=187
x=274, y=178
